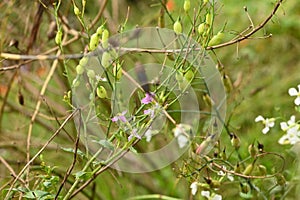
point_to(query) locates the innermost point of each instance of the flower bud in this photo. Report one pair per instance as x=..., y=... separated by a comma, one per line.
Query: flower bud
x=94, y=41
x=262, y=170
x=99, y=30
x=201, y=28
x=101, y=92
x=75, y=83
x=245, y=188
x=252, y=150
x=105, y=61
x=105, y=35
x=83, y=61
x=248, y=169
x=79, y=69
x=208, y=19
x=235, y=141
x=117, y=71
x=205, y=2
x=237, y=168
x=227, y=83
x=207, y=100
x=189, y=75
x=76, y=10
x=280, y=179
x=58, y=37
x=91, y=74
x=177, y=27
x=186, y=5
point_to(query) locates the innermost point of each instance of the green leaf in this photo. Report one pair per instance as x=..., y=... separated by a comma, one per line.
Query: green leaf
x=246, y=195
x=35, y=194
x=105, y=144
x=83, y=175
x=71, y=150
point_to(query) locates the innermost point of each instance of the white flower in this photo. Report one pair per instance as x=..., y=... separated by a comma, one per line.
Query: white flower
x=181, y=133
x=211, y=196
x=268, y=122
x=182, y=141
x=194, y=187
x=222, y=173
x=148, y=135
x=291, y=137
x=294, y=92
x=289, y=125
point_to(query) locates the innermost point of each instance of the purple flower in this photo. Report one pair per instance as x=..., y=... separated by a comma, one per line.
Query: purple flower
x=120, y=117
x=148, y=98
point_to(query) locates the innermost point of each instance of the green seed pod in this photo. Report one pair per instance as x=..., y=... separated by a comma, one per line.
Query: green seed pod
x=91, y=74
x=76, y=10
x=177, y=27
x=214, y=184
x=208, y=19
x=262, y=170
x=252, y=150
x=83, y=61
x=189, y=75
x=207, y=100
x=235, y=141
x=201, y=28
x=237, y=168
x=117, y=71
x=105, y=35
x=227, y=83
x=94, y=41
x=216, y=39
x=99, y=30
x=75, y=83
x=248, y=169
x=245, y=188
x=186, y=5
x=101, y=92
x=79, y=69
x=58, y=37
x=161, y=21
x=105, y=61
x=205, y=2
x=280, y=179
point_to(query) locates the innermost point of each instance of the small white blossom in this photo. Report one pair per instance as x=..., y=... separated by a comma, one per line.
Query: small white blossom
x=211, y=196
x=181, y=133
x=294, y=92
x=268, y=122
x=148, y=135
x=194, y=187
x=222, y=173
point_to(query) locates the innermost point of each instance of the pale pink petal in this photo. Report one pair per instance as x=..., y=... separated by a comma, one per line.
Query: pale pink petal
x=115, y=119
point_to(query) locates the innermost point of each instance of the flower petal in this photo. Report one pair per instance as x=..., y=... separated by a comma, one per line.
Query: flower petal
x=259, y=118
x=293, y=92
x=297, y=101
x=265, y=130
x=194, y=187
x=182, y=141
x=115, y=119
x=205, y=194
